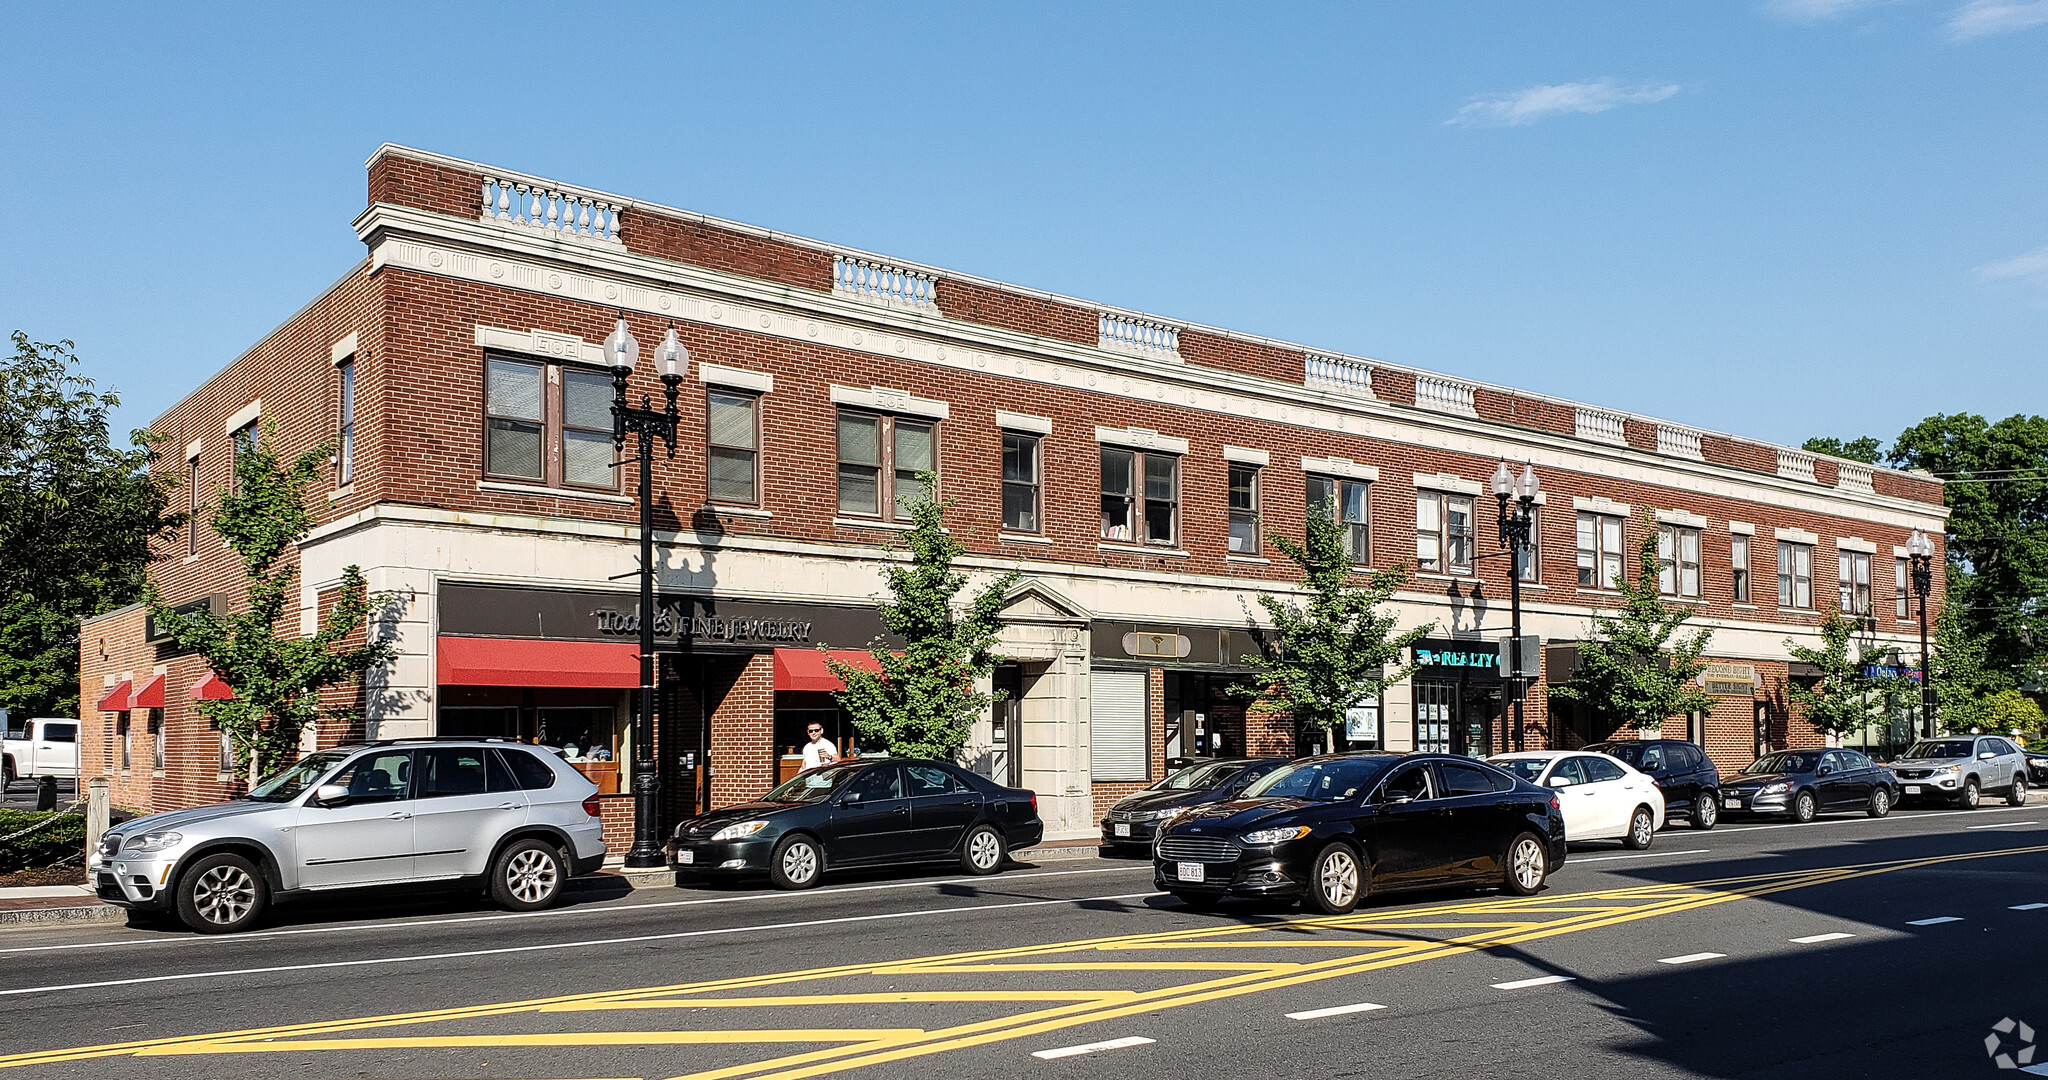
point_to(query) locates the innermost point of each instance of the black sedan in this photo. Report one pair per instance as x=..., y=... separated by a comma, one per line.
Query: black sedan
x=861, y=813
x=1133, y=820
x=1801, y=783
x=2037, y=768
x=1330, y=830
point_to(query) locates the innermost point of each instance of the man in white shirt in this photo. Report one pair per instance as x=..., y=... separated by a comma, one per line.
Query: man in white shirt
x=819, y=751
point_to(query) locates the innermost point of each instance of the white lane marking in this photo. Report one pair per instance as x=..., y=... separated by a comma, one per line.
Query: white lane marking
x=1091, y=1048
x=1905, y=819
x=2027, y=907
x=636, y=939
x=1815, y=939
x=2003, y=825
x=1692, y=958
x=1540, y=980
x=587, y=909
x=1334, y=1010
x=1936, y=921
x=1644, y=855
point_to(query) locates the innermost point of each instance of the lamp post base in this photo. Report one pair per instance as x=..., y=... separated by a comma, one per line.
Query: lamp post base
x=645, y=860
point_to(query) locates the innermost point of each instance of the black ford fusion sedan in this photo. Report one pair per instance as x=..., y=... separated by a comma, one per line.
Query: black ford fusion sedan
x=1331, y=830
x=861, y=813
x=1133, y=820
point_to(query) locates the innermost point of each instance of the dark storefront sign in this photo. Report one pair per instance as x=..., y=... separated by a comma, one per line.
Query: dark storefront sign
x=1456, y=658
x=687, y=623
x=1170, y=645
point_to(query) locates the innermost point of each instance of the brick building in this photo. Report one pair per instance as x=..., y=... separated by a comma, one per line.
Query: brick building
x=1129, y=467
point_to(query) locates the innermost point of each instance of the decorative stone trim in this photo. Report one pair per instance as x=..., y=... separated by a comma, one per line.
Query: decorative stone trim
x=1025, y=422
x=1340, y=467
x=1247, y=456
x=192, y=451
x=1140, y=439
x=884, y=399
x=1600, y=425
x=541, y=343
x=1601, y=504
x=343, y=349
x=244, y=416
x=1855, y=543
x=1338, y=373
x=1741, y=528
x=759, y=382
x=1448, y=482
x=1681, y=517
x=1797, y=536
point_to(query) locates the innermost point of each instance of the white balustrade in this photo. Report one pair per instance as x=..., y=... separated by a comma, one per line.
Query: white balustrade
x=1678, y=441
x=1600, y=425
x=1443, y=395
x=1796, y=465
x=1140, y=337
x=881, y=283
x=1339, y=373
x=1853, y=477
x=550, y=210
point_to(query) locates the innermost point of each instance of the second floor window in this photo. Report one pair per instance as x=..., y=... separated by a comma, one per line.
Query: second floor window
x=1020, y=483
x=345, y=429
x=549, y=430
x=192, y=507
x=243, y=442
x=1443, y=532
x=1244, y=509
x=1599, y=551
x=587, y=429
x=514, y=418
x=1140, y=496
x=1795, y=575
x=1678, y=561
x=1351, y=503
x=880, y=461
x=1855, y=578
x=1529, y=560
x=1899, y=587
x=1738, y=561
x=733, y=440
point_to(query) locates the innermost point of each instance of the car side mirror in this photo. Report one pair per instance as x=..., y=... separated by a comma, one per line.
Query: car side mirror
x=849, y=798
x=1560, y=781
x=1396, y=798
x=329, y=795
x=1824, y=770
x=1986, y=756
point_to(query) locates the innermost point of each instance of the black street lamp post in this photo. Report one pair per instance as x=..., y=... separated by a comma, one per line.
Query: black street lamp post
x=1921, y=550
x=1516, y=525
x=622, y=351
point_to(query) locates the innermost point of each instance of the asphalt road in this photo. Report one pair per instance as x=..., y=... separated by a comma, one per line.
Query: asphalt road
x=1772, y=951
x=21, y=795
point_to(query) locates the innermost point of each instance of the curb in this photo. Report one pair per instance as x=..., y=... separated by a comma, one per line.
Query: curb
x=65, y=913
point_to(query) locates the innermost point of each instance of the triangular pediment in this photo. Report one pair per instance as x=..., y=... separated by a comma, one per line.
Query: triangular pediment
x=1033, y=600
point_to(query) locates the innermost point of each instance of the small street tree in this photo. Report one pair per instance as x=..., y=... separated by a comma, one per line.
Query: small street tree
x=1964, y=682
x=1327, y=656
x=276, y=675
x=1844, y=699
x=922, y=701
x=1636, y=669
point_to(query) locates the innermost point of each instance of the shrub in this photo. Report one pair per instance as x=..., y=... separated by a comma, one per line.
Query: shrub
x=48, y=845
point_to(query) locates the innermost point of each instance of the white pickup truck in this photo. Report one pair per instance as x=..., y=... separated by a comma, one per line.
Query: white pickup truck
x=39, y=746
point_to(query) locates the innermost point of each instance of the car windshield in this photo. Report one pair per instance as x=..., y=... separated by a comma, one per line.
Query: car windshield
x=1941, y=748
x=1789, y=761
x=1525, y=768
x=1329, y=780
x=814, y=786
x=287, y=785
x=1629, y=752
x=1200, y=777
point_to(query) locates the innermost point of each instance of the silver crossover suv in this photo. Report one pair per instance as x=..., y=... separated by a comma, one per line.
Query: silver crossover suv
x=1960, y=768
x=516, y=819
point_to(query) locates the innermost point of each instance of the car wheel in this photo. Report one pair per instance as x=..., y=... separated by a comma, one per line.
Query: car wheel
x=2017, y=796
x=528, y=875
x=1336, y=880
x=982, y=851
x=1642, y=828
x=220, y=894
x=1528, y=865
x=1880, y=801
x=1970, y=797
x=797, y=863
x=1200, y=901
x=1706, y=811
x=1804, y=807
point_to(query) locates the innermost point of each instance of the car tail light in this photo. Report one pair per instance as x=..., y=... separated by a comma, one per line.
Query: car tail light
x=590, y=805
x=1034, y=803
x=1555, y=804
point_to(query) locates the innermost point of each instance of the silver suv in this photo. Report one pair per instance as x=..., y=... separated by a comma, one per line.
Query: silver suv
x=518, y=820
x=1961, y=768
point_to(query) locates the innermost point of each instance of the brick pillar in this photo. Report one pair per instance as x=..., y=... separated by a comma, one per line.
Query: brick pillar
x=743, y=731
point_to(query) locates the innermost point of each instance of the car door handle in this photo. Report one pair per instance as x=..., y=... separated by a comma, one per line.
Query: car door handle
x=508, y=806
x=398, y=815
x=903, y=810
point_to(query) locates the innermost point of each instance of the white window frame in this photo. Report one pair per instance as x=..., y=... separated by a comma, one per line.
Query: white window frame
x=1447, y=559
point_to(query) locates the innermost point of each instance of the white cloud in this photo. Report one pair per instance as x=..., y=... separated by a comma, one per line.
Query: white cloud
x=1983, y=18
x=1817, y=10
x=2033, y=266
x=1537, y=102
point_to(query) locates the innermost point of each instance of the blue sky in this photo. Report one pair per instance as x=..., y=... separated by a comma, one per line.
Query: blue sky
x=1776, y=218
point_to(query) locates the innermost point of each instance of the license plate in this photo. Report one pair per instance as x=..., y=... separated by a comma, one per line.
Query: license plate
x=1912, y=789
x=685, y=858
x=1120, y=830
x=1190, y=871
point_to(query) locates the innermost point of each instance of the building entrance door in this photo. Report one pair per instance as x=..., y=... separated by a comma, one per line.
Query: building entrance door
x=1456, y=716
x=1436, y=712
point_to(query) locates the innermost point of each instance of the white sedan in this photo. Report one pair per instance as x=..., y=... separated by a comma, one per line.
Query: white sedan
x=1602, y=799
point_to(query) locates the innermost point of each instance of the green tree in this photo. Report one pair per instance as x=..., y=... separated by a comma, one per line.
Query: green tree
x=1997, y=492
x=77, y=515
x=1635, y=668
x=1866, y=448
x=276, y=674
x=1844, y=700
x=922, y=702
x=1324, y=657
x=1963, y=683
x=2013, y=711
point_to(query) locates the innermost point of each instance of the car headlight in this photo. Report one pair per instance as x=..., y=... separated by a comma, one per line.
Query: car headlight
x=1773, y=789
x=1263, y=837
x=152, y=842
x=1950, y=768
x=1155, y=815
x=739, y=831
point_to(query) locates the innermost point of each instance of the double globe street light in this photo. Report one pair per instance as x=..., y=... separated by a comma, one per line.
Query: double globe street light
x=1921, y=551
x=622, y=352
x=1517, y=526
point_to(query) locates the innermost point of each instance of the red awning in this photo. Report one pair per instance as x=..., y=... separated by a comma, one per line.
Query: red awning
x=116, y=699
x=473, y=661
x=804, y=669
x=211, y=689
x=149, y=695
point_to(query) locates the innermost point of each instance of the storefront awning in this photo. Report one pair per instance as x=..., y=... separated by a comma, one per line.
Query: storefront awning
x=211, y=688
x=478, y=661
x=804, y=669
x=149, y=695
x=116, y=699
